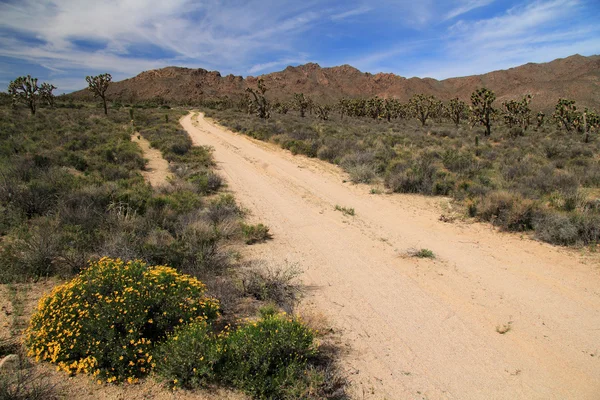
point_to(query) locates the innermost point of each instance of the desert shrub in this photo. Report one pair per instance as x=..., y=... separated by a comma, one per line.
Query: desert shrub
x=422, y=253
x=255, y=233
x=556, y=228
x=508, y=211
x=345, y=210
x=189, y=355
x=588, y=226
x=269, y=357
x=462, y=163
x=327, y=153
x=206, y=183
x=107, y=320
x=222, y=208
x=416, y=176
x=25, y=383
x=361, y=173
x=272, y=283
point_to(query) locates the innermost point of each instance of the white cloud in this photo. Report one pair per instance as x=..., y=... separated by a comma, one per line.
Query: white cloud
x=125, y=37
x=208, y=34
x=279, y=63
x=522, y=34
x=466, y=6
x=351, y=13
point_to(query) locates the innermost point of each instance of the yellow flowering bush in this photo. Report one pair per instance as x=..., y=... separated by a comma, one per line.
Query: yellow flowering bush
x=107, y=320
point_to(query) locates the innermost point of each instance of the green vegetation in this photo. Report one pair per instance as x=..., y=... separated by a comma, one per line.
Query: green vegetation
x=345, y=210
x=119, y=321
x=98, y=85
x=482, y=109
x=269, y=357
x=25, y=90
x=122, y=311
x=423, y=253
x=259, y=102
x=274, y=357
x=71, y=191
x=255, y=233
x=543, y=178
x=272, y=284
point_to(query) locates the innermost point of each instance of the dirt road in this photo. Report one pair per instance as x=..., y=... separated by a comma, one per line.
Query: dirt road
x=420, y=328
x=157, y=168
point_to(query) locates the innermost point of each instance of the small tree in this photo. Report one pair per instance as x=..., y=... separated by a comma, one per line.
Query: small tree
x=517, y=113
x=282, y=107
x=301, y=103
x=423, y=107
x=457, y=110
x=391, y=109
x=590, y=123
x=260, y=102
x=566, y=114
x=343, y=106
x=46, y=93
x=98, y=85
x=540, y=119
x=374, y=107
x=323, y=112
x=482, y=111
x=24, y=89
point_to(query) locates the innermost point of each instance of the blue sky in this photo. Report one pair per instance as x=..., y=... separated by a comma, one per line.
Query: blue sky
x=62, y=41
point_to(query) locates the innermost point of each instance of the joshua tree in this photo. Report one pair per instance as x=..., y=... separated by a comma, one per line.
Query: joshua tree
x=422, y=107
x=374, y=107
x=482, y=110
x=245, y=104
x=282, y=107
x=260, y=102
x=457, y=110
x=391, y=109
x=517, y=113
x=342, y=106
x=357, y=107
x=301, y=103
x=323, y=112
x=98, y=85
x=540, y=119
x=566, y=114
x=24, y=89
x=590, y=123
x=46, y=93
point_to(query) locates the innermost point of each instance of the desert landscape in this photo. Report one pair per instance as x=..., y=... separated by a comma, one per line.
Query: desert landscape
x=296, y=231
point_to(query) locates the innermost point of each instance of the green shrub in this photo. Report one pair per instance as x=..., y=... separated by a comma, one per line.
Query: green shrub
x=556, y=228
x=423, y=253
x=107, y=320
x=269, y=357
x=188, y=357
x=361, y=173
x=255, y=233
x=345, y=210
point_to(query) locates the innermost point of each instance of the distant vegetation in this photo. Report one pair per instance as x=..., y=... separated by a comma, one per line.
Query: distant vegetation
x=505, y=164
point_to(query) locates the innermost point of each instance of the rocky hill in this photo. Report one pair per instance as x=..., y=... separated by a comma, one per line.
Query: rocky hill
x=576, y=77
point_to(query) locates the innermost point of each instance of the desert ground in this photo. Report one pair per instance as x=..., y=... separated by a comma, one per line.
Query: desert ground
x=493, y=315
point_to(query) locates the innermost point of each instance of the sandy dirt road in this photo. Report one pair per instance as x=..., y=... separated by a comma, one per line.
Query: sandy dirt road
x=157, y=169
x=418, y=328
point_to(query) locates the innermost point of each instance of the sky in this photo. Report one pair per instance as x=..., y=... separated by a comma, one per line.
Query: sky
x=62, y=41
